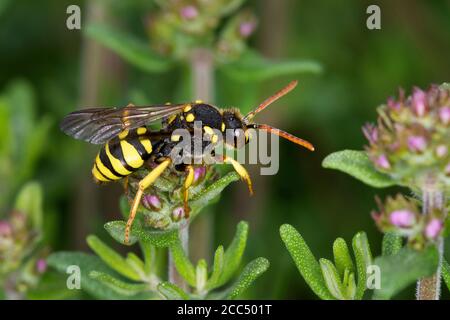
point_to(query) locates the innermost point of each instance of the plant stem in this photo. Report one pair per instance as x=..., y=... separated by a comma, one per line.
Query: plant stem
x=432, y=198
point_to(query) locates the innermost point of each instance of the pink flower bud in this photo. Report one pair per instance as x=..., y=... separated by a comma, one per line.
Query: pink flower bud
x=41, y=265
x=178, y=214
x=246, y=28
x=383, y=162
x=441, y=151
x=419, y=102
x=433, y=228
x=152, y=202
x=189, y=12
x=371, y=133
x=417, y=143
x=5, y=228
x=402, y=218
x=199, y=172
x=444, y=114
x=394, y=105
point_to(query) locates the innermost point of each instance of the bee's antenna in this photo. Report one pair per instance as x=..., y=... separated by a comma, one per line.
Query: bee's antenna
x=282, y=134
x=270, y=100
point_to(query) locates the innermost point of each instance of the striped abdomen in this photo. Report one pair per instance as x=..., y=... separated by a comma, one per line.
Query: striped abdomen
x=122, y=155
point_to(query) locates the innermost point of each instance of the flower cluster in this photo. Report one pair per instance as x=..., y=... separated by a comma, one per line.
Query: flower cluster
x=411, y=141
x=402, y=216
x=20, y=264
x=182, y=25
x=162, y=203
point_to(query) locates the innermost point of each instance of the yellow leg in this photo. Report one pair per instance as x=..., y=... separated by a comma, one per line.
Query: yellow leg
x=241, y=171
x=144, y=184
x=187, y=184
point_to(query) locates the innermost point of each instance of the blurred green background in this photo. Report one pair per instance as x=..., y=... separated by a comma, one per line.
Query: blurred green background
x=48, y=71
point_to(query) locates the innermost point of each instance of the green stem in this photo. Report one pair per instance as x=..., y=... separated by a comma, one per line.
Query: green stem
x=430, y=288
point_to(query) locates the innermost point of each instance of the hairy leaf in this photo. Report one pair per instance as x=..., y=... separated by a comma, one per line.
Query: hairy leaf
x=250, y=273
x=446, y=273
x=172, y=292
x=342, y=257
x=217, y=269
x=363, y=257
x=61, y=261
x=392, y=243
x=210, y=193
x=158, y=238
x=233, y=255
x=122, y=287
x=358, y=165
x=332, y=279
x=112, y=258
x=305, y=261
x=401, y=269
x=182, y=263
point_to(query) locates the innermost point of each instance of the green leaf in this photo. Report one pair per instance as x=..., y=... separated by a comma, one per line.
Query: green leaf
x=358, y=165
x=210, y=193
x=29, y=202
x=121, y=287
x=363, y=257
x=332, y=279
x=149, y=253
x=158, y=238
x=172, y=292
x=201, y=275
x=233, y=255
x=305, y=261
x=217, y=269
x=446, y=273
x=250, y=273
x=132, y=50
x=392, y=243
x=136, y=263
x=342, y=257
x=182, y=263
x=61, y=261
x=400, y=270
x=112, y=258
x=253, y=67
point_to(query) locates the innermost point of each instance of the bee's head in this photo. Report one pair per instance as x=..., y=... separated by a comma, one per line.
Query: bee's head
x=236, y=135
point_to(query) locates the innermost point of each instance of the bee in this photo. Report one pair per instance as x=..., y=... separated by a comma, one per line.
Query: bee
x=128, y=143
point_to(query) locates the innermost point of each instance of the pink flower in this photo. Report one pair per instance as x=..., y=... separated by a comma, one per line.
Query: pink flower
x=41, y=265
x=441, y=151
x=246, y=28
x=383, y=162
x=444, y=114
x=5, y=228
x=433, y=228
x=152, y=202
x=402, y=218
x=177, y=213
x=417, y=143
x=419, y=102
x=394, y=105
x=371, y=133
x=199, y=172
x=189, y=12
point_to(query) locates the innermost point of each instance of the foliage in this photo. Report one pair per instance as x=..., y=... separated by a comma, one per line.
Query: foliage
x=341, y=280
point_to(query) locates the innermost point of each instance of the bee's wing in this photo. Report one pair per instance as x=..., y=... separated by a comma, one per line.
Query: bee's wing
x=98, y=125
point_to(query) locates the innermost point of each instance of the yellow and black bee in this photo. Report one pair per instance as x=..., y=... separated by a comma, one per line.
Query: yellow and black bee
x=128, y=143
